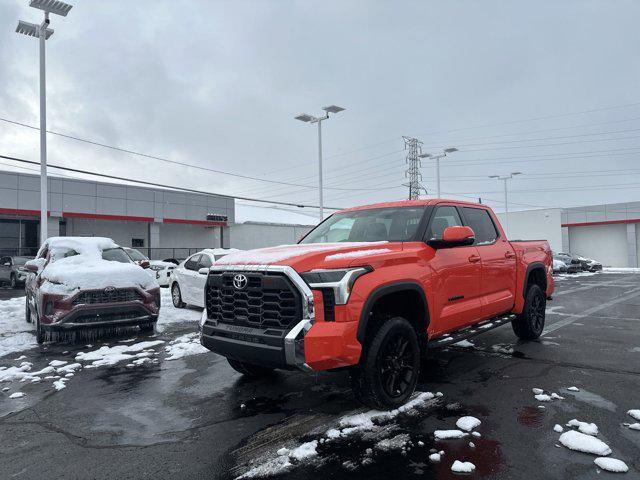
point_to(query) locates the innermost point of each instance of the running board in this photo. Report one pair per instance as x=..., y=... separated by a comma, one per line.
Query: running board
x=470, y=331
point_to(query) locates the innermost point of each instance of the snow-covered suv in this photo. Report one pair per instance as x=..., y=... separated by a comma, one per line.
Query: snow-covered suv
x=79, y=283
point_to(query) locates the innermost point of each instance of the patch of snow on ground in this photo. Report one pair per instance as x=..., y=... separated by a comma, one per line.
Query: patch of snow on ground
x=584, y=427
x=537, y=391
x=107, y=356
x=558, y=428
x=468, y=423
x=543, y=397
x=435, y=458
x=464, y=344
x=306, y=450
x=611, y=465
x=584, y=443
x=620, y=270
x=395, y=443
x=504, y=348
x=462, y=467
x=448, y=434
x=573, y=389
x=185, y=345
x=633, y=426
x=15, y=333
x=634, y=413
x=16, y=395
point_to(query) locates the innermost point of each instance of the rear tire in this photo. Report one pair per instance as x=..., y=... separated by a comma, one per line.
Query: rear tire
x=176, y=296
x=390, y=366
x=529, y=324
x=250, y=370
x=27, y=310
x=40, y=333
x=13, y=282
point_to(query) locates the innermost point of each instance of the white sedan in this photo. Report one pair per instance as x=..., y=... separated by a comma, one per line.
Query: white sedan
x=187, y=283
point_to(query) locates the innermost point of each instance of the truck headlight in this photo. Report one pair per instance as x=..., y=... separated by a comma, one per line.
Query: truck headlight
x=339, y=280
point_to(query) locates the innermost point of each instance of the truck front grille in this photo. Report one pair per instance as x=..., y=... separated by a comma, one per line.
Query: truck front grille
x=107, y=296
x=268, y=300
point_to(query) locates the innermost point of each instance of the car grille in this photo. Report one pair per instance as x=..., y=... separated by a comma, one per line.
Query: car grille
x=107, y=296
x=268, y=300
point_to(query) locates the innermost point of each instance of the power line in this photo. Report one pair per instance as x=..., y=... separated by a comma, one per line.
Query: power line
x=153, y=184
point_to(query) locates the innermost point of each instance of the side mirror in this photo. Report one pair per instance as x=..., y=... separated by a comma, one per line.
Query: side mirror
x=32, y=266
x=145, y=264
x=203, y=271
x=454, y=237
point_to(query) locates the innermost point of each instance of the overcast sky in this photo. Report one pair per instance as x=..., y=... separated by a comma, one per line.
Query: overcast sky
x=217, y=84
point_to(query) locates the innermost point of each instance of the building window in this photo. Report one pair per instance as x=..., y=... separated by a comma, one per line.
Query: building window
x=137, y=242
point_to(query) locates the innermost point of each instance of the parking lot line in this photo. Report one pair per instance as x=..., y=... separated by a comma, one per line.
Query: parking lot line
x=568, y=321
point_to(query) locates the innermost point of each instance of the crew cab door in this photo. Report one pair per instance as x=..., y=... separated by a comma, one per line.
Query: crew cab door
x=498, y=259
x=455, y=276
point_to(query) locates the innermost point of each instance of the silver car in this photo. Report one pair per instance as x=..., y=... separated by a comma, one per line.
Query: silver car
x=12, y=270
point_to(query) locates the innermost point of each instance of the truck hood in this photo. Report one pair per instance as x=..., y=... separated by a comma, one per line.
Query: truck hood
x=303, y=257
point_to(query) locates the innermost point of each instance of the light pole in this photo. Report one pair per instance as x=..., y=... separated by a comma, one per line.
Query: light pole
x=437, y=158
x=42, y=32
x=303, y=117
x=504, y=178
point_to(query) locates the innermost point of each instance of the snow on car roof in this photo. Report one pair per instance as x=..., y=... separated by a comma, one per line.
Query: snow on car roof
x=90, y=246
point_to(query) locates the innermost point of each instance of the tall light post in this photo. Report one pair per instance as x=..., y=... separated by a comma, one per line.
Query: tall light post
x=42, y=32
x=437, y=158
x=303, y=117
x=504, y=178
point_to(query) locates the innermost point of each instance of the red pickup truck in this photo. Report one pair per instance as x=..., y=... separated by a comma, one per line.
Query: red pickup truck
x=370, y=289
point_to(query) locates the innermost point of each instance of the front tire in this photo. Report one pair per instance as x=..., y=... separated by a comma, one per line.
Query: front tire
x=250, y=370
x=40, y=334
x=529, y=324
x=176, y=296
x=388, y=372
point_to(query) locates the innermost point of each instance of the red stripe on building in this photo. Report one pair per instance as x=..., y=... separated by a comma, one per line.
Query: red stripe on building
x=99, y=216
x=16, y=211
x=604, y=222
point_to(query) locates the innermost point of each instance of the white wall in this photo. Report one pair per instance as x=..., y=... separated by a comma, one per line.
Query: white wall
x=120, y=231
x=535, y=225
x=605, y=243
x=247, y=236
x=192, y=236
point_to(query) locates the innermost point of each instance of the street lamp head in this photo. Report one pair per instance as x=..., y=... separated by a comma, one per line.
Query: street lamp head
x=424, y=155
x=51, y=6
x=494, y=176
x=333, y=109
x=516, y=173
x=32, y=30
x=450, y=150
x=303, y=117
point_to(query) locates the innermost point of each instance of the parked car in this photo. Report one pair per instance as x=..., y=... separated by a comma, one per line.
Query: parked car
x=188, y=278
x=159, y=269
x=79, y=283
x=574, y=265
x=589, y=265
x=12, y=270
x=400, y=276
x=559, y=266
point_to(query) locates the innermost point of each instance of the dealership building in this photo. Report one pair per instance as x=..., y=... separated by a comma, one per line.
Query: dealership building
x=165, y=223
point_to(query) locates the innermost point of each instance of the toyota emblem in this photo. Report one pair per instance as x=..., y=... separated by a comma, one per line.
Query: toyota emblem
x=240, y=281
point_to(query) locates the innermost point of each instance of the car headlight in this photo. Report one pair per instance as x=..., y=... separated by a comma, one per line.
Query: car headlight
x=339, y=280
x=156, y=268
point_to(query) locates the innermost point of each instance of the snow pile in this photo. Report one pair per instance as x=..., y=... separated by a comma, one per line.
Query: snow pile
x=448, y=434
x=464, y=344
x=357, y=253
x=170, y=314
x=541, y=396
x=611, y=465
x=263, y=256
x=584, y=443
x=584, y=427
x=462, y=467
x=374, y=420
x=15, y=333
x=108, y=356
x=185, y=345
x=558, y=428
x=16, y=395
x=436, y=457
x=573, y=389
x=87, y=269
x=635, y=414
x=632, y=426
x=468, y=423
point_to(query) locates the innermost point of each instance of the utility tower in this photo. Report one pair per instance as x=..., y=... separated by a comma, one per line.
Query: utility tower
x=414, y=149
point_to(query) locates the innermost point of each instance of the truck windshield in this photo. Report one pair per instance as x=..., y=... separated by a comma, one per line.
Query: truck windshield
x=370, y=225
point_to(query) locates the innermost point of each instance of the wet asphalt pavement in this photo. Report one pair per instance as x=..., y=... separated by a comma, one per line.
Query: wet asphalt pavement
x=195, y=418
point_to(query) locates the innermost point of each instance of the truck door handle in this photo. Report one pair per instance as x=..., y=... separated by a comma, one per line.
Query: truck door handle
x=474, y=258
x=509, y=254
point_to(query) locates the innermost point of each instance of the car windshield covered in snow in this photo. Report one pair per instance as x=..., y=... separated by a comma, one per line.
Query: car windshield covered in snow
x=370, y=225
x=111, y=254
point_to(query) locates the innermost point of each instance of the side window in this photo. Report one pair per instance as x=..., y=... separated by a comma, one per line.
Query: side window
x=192, y=263
x=480, y=222
x=4, y=260
x=205, y=262
x=442, y=218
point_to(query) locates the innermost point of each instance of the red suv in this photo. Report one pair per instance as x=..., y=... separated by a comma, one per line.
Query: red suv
x=370, y=288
